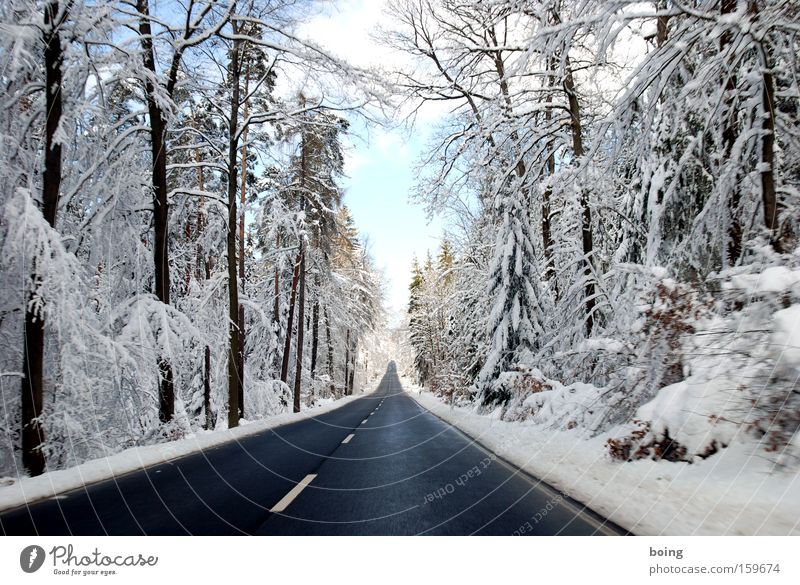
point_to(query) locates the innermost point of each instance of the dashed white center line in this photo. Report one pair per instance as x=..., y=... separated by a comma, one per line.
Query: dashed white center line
x=347, y=439
x=363, y=421
x=295, y=491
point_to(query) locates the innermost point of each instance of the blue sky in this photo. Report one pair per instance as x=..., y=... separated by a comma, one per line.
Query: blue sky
x=381, y=177
x=380, y=164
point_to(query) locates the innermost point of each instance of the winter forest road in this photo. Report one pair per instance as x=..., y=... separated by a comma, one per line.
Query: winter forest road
x=380, y=465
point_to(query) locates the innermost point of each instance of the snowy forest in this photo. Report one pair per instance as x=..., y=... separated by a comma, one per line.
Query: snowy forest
x=620, y=180
x=176, y=253
x=623, y=178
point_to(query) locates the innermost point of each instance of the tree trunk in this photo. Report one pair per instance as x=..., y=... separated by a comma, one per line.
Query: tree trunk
x=242, y=200
x=772, y=206
x=346, y=361
x=769, y=199
x=158, y=149
x=287, y=347
x=203, y=270
x=302, y=278
x=33, y=343
x=587, y=238
x=329, y=341
x=276, y=307
x=661, y=23
x=780, y=236
x=547, y=237
x=207, y=372
x=352, y=368
x=276, y=301
x=300, y=330
x=729, y=135
x=314, y=336
x=234, y=374
x=207, y=388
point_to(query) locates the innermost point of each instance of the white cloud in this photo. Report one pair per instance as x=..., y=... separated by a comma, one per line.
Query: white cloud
x=355, y=160
x=346, y=28
x=391, y=144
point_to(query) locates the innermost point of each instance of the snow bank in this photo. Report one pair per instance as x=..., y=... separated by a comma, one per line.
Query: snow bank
x=775, y=279
x=693, y=412
x=549, y=403
x=737, y=491
x=577, y=406
x=740, y=378
x=786, y=335
x=19, y=491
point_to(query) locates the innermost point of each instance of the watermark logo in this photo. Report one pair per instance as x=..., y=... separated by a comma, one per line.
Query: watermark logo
x=31, y=558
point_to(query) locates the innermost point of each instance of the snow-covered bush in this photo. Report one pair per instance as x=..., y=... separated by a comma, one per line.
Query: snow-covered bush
x=740, y=371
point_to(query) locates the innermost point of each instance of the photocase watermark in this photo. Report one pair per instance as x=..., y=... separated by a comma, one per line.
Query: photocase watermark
x=461, y=481
x=67, y=562
x=31, y=558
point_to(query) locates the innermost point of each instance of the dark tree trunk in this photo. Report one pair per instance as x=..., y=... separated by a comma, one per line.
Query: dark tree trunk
x=547, y=237
x=772, y=207
x=329, y=341
x=210, y=422
x=276, y=301
x=346, y=362
x=587, y=239
x=300, y=330
x=314, y=337
x=351, y=378
x=287, y=346
x=158, y=151
x=234, y=373
x=207, y=388
x=242, y=200
x=300, y=273
x=729, y=135
x=661, y=24
x=276, y=307
x=240, y=361
x=207, y=371
x=33, y=343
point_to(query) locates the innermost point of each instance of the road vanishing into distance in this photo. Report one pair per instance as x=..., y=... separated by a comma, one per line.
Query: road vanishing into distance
x=379, y=465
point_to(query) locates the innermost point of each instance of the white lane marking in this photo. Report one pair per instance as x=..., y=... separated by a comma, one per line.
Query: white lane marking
x=364, y=421
x=293, y=493
x=347, y=439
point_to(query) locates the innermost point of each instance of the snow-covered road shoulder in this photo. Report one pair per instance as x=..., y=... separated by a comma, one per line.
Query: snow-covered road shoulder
x=18, y=492
x=736, y=491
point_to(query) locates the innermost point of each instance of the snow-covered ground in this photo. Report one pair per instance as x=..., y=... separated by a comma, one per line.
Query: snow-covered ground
x=736, y=491
x=16, y=492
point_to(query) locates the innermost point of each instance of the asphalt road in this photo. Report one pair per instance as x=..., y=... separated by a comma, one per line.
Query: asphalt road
x=380, y=465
